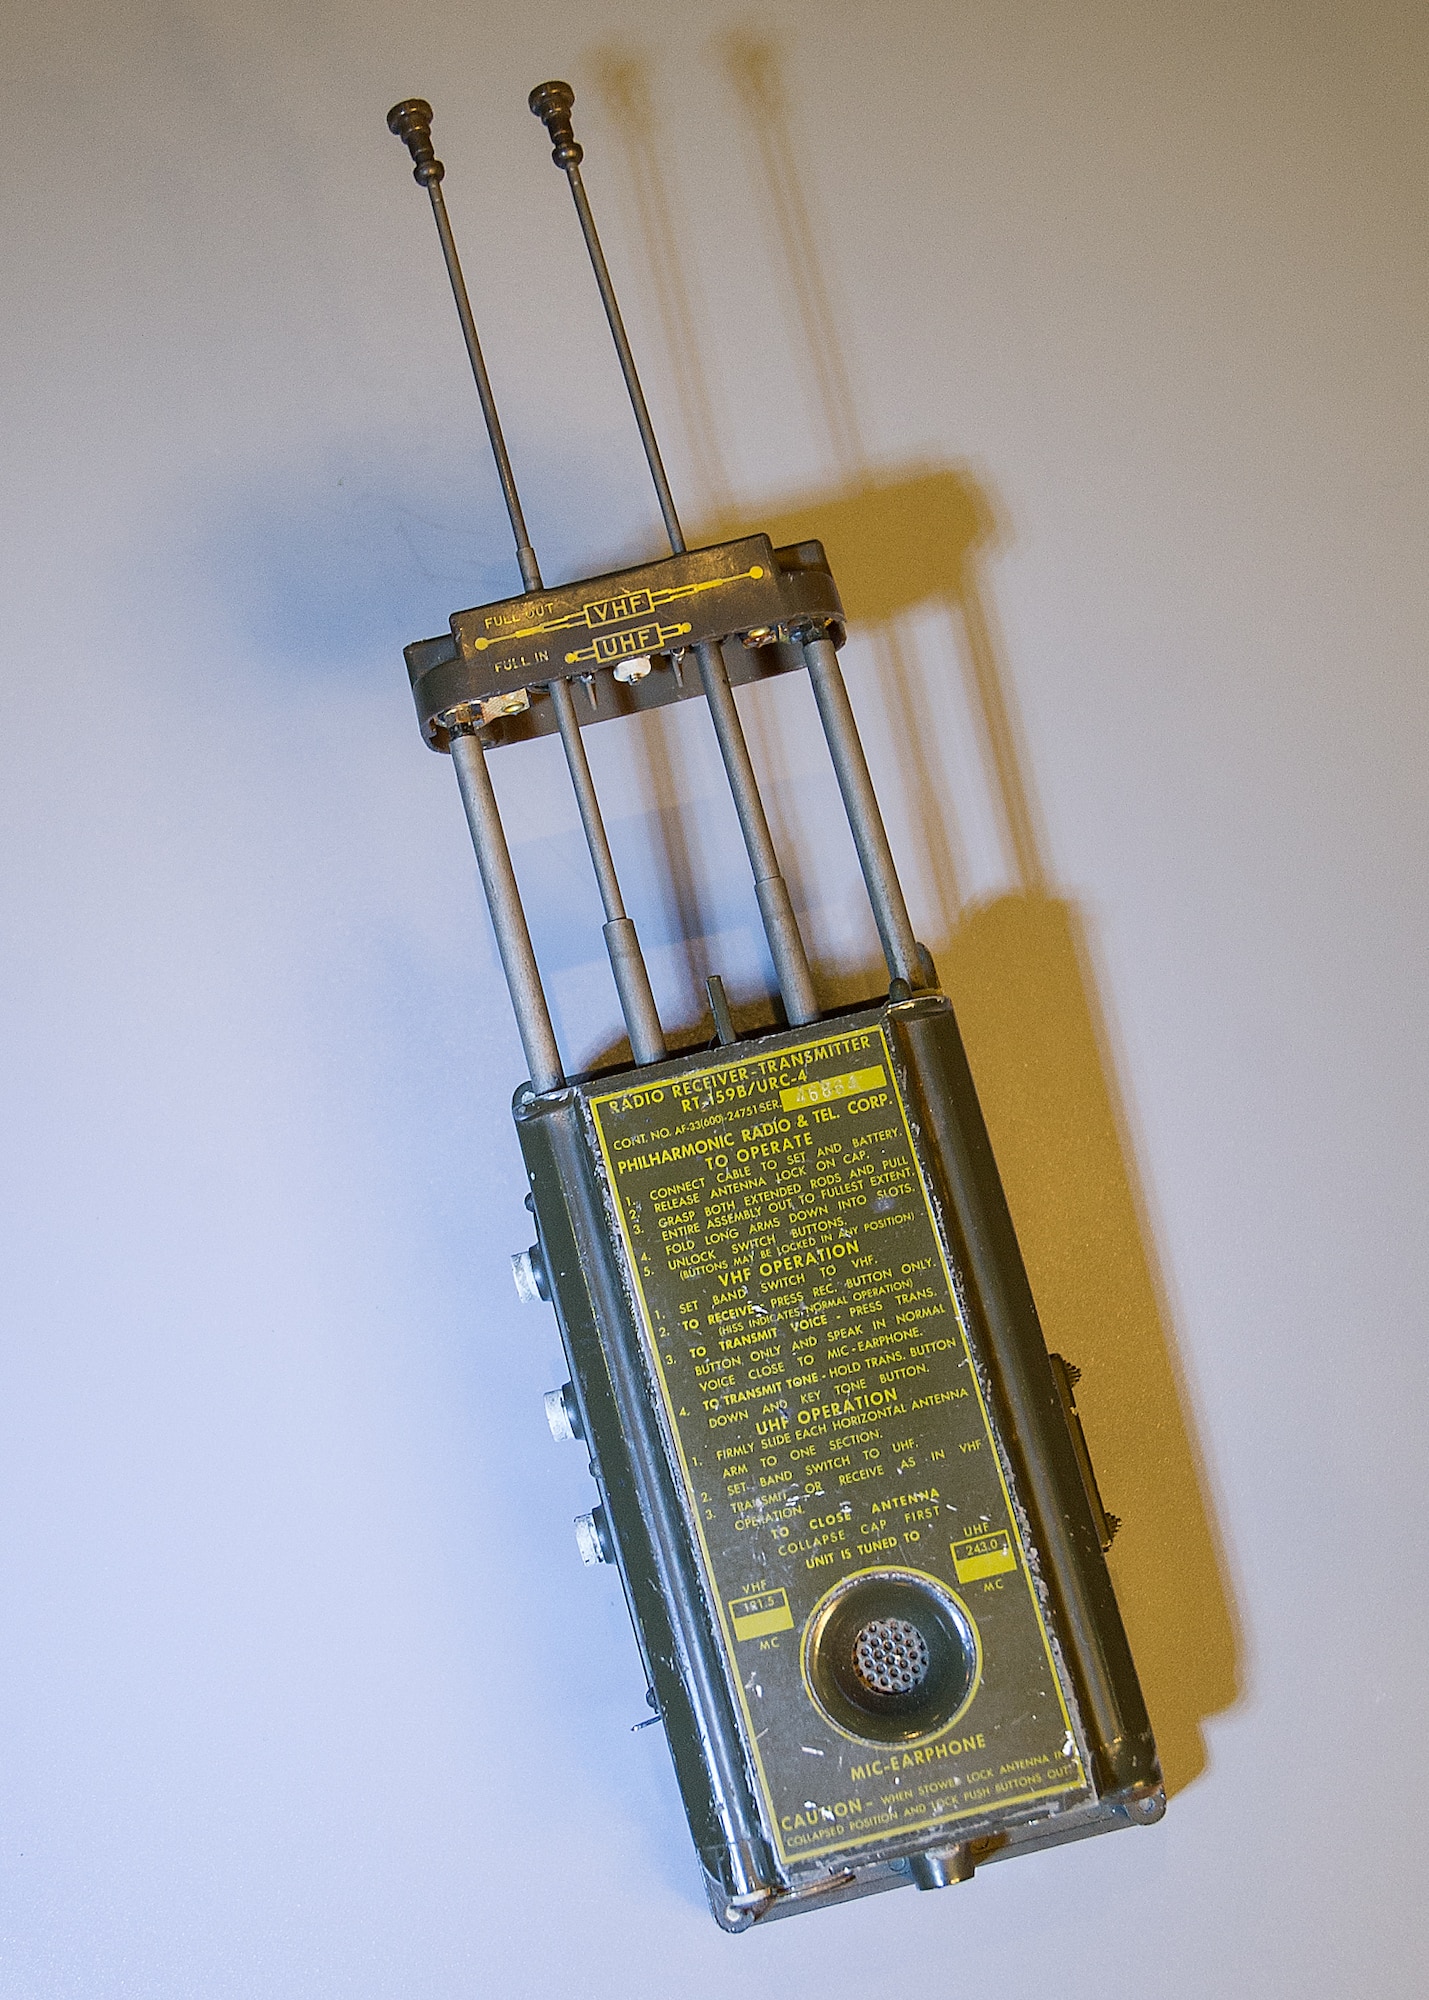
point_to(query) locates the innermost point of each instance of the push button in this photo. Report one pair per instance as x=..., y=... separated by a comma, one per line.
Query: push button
x=592, y=1539
x=528, y=1271
x=562, y=1417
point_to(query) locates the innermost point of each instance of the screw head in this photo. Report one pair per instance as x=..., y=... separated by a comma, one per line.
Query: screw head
x=411, y=112
x=551, y=99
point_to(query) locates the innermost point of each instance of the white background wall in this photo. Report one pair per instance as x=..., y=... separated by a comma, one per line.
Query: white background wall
x=301, y=1687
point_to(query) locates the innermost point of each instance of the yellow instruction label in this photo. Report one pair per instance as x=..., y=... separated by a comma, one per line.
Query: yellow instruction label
x=804, y=1333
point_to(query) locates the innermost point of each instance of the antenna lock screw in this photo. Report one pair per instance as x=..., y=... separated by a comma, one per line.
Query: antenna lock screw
x=411, y=120
x=551, y=103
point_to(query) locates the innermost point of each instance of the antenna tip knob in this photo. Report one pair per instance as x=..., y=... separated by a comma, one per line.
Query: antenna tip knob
x=551, y=103
x=411, y=120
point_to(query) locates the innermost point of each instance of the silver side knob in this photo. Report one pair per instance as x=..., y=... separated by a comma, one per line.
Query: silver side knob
x=562, y=1416
x=942, y=1865
x=529, y=1275
x=591, y=1539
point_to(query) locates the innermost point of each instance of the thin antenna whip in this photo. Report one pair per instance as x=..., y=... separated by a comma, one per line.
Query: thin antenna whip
x=411, y=120
x=552, y=104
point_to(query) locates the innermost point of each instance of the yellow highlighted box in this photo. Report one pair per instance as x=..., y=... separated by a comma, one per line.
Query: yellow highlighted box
x=983, y=1555
x=830, y=1087
x=755, y=1617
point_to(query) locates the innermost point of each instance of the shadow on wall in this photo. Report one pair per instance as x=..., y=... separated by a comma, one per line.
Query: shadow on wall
x=1019, y=968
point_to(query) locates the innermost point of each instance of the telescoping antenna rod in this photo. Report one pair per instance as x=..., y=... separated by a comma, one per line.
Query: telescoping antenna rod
x=411, y=121
x=907, y=963
x=552, y=104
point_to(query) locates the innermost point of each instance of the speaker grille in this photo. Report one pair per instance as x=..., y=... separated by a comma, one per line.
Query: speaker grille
x=890, y=1656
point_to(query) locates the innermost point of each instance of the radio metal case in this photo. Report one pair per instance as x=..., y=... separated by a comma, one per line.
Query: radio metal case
x=843, y=1481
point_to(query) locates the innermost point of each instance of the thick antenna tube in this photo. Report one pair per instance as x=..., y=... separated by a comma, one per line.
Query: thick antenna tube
x=411, y=120
x=508, y=919
x=552, y=104
x=632, y=981
x=875, y=856
x=781, y=928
